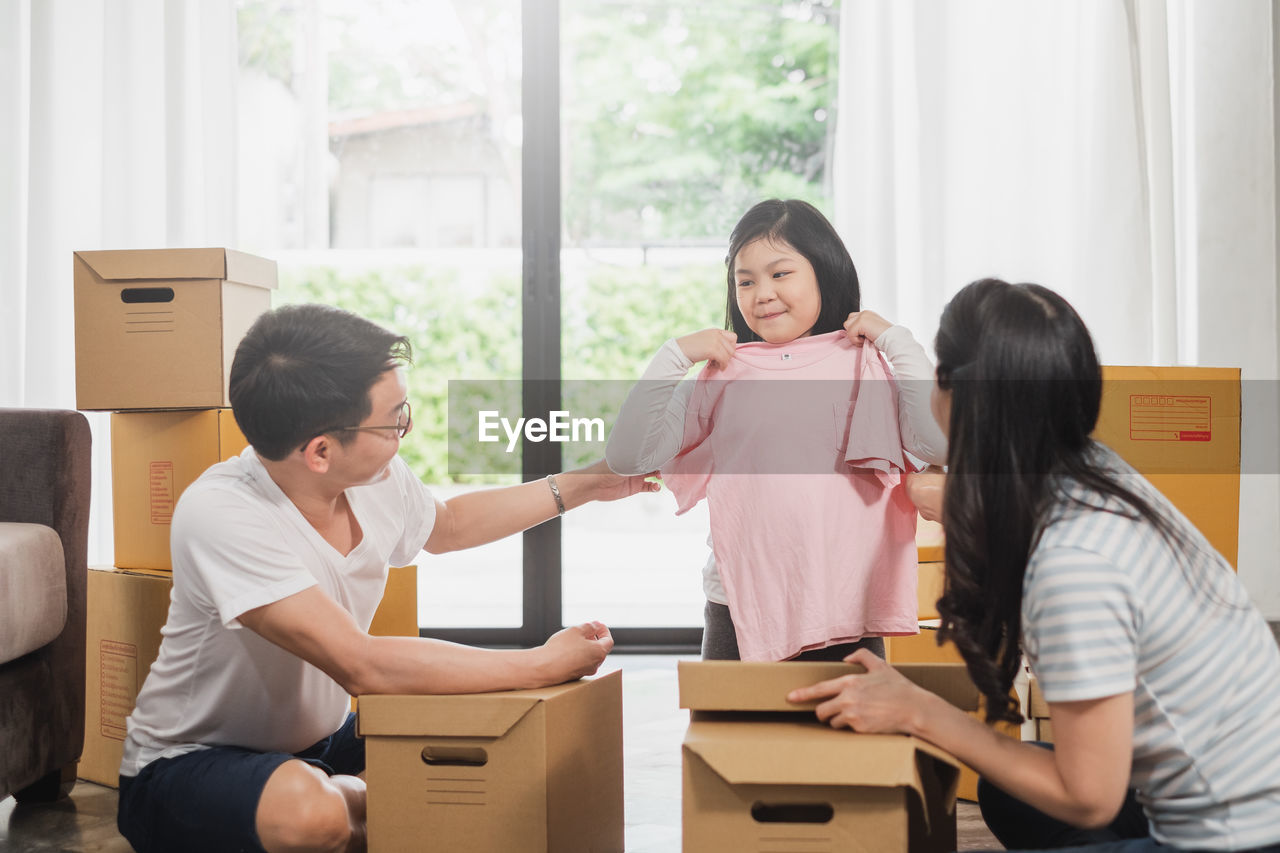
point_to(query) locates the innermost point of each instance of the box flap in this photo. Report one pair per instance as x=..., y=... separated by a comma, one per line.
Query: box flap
x=752, y=686
x=474, y=715
x=806, y=753
x=180, y=265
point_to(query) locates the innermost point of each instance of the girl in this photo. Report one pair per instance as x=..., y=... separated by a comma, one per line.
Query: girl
x=778, y=582
x=1158, y=671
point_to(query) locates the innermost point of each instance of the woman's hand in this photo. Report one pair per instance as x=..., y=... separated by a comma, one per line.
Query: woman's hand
x=865, y=324
x=926, y=489
x=714, y=346
x=881, y=701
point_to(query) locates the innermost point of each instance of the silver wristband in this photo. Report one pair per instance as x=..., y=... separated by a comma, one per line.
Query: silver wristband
x=555, y=493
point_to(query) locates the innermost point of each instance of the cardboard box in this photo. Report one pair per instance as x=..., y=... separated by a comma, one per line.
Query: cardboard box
x=524, y=771
x=397, y=613
x=154, y=457
x=929, y=586
x=923, y=649
x=757, y=778
x=126, y=611
x=157, y=328
x=1180, y=428
x=1038, y=711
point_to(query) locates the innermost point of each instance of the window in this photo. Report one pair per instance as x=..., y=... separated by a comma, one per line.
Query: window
x=386, y=158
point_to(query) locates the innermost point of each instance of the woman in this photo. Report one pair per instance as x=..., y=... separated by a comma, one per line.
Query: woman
x=1159, y=673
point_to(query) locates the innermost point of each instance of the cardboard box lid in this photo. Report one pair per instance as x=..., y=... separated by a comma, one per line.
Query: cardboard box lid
x=483, y=715
x=808, y=753
x=442, y=716
x=751, y=686
x=180, y=265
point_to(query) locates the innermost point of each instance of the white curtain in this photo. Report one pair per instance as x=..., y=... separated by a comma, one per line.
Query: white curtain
x=1121, y=152
x=117, y=130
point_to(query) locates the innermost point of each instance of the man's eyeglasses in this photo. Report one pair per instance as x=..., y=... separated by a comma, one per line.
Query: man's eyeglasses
x=404, y=423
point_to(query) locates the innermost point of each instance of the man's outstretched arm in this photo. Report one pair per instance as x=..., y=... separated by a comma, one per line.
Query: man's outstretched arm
x=487, y=515
x=314, y=627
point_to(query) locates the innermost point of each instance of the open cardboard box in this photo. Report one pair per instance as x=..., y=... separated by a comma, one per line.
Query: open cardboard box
x=763, y=774
x=521, y=771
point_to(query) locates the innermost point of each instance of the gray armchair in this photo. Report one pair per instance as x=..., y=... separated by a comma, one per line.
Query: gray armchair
x=44, y=533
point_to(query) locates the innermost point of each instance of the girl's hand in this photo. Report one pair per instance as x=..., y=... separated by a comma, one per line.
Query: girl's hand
x=714, y=346
x=881, y=702
x=865, y=324
x=925, y=489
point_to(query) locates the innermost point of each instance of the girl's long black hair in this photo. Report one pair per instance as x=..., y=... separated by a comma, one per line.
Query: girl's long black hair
x=805, y=229
x=1025, y=388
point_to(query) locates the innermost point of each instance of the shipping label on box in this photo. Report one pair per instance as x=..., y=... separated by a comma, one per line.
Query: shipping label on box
x=154, y=457
x=158, y=328
x=126, y=611
x=524, y=771
x=1180, y=428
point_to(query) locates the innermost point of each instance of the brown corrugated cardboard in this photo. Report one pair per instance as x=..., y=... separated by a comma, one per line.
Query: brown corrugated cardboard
x=1180, y=428
x=929, y=586
x=1038, y=711
x=784, y=781
x=921, y=648
x=749, y=686
x=397, y=614
x=126, y=611
x=154, y=457
x=525, y=771
x=157, y=328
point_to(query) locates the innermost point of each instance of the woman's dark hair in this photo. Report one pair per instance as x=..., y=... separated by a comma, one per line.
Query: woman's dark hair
x=803, y=227
x=303, y=369
x=1025, y=389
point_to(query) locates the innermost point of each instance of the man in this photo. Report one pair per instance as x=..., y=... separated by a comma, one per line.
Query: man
x=241, y=738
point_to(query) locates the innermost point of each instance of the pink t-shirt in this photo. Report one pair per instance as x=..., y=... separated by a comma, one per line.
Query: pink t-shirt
x=814, y=539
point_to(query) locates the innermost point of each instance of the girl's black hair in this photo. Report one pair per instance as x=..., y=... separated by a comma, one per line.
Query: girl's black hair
x=803, y=227
x=1025, y=389
x=304, y=369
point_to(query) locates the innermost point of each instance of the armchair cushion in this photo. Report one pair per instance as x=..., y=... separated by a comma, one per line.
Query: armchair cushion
x=33, y=588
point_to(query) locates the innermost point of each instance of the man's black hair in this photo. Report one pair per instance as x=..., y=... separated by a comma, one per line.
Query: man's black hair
x=304, y=369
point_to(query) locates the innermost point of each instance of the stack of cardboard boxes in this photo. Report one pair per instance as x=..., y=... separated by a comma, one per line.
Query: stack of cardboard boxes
x=155, y=334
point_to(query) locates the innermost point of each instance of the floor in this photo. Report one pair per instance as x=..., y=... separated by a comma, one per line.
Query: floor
x=85, y=823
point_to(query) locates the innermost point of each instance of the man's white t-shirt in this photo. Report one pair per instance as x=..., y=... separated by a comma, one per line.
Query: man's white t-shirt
x=239, y=543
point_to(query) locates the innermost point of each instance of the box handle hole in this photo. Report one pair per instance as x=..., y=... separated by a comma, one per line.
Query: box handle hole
x=455, y=756
x=792, y=812
x=134, y=295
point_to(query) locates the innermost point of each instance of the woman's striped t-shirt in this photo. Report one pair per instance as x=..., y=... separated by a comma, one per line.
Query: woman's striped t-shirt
x=1110, y=607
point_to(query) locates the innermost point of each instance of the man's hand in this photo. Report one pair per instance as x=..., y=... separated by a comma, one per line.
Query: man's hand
x=575, y=652
x=596, y=482
x=925, y=489
x=881, y=701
